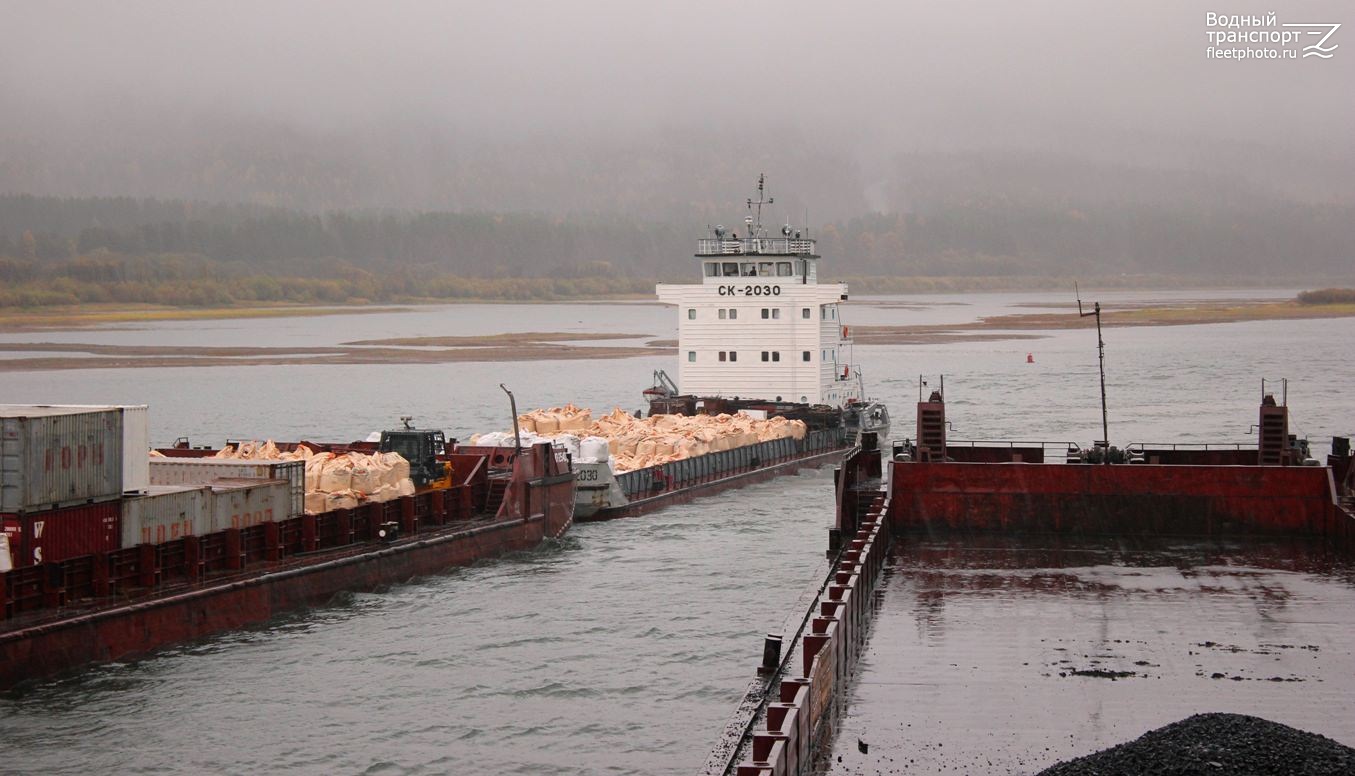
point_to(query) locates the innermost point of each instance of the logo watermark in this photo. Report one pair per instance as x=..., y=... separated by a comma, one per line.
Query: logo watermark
x=1264, y=37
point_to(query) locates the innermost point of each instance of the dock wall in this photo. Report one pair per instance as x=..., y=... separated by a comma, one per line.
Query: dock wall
x=799, y=720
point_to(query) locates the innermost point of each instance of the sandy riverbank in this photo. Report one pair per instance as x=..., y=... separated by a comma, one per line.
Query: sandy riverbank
x=543, y=346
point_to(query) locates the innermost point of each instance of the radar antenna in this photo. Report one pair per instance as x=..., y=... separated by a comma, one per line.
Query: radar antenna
x=756, y=224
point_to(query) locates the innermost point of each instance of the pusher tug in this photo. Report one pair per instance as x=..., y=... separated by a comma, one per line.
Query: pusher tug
x=766, y=384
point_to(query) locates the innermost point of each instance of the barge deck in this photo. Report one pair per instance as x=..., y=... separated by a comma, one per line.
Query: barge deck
x=1002, y=655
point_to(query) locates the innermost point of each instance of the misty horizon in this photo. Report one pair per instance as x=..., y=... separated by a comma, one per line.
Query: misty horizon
x=598, y=139
x=144, y=99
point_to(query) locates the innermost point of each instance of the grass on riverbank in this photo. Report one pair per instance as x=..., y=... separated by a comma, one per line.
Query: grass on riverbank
x=77, y=316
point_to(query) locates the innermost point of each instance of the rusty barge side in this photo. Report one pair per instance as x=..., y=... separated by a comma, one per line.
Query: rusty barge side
x=939, y=486
x=966, y=497
x=126, y=603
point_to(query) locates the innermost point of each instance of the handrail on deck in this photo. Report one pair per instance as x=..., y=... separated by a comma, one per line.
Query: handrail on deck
x=1009, y=443
x=1188, y=446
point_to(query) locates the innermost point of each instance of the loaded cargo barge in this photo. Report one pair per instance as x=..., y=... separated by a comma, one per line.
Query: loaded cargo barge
x=759, y=337
x=102, y=574
x=995, y=610
x=810, y=437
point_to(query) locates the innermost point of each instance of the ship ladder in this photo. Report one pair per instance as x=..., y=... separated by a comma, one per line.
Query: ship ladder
x=498, y=487
x=931, y=432
x=1274, y=432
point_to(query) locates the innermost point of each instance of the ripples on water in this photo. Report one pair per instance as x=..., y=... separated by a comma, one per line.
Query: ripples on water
x=624, y=647
x=621, y=648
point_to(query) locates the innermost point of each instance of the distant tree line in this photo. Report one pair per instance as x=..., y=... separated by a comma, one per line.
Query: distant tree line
x=1328, y=296
x=66, y=250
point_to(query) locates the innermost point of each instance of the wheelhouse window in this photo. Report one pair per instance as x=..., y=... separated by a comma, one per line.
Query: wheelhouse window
x=784, y=269
x=730, y=269
x=748, y=269
x=712, y=269
x=764, y=268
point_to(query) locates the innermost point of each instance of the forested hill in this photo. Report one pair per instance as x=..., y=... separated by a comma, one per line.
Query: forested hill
x=995, y=235
x=936, y=216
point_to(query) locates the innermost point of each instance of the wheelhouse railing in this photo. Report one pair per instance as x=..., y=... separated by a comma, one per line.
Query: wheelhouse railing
x=780, y=246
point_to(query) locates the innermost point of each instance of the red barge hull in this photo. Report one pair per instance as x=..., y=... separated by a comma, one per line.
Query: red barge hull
x=1161, y=500
x=114, y=606
x=1019, y=588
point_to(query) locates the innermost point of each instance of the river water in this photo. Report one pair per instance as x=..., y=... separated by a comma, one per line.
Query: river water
x=623, y=647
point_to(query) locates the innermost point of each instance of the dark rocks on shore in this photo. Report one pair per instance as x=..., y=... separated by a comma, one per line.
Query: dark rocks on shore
x=1217, y=744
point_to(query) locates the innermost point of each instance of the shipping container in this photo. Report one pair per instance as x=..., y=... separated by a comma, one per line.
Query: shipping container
x=59, y=534
x=136, y=443
x=205, y=471
x=136, y=448
x=166, y=513
x=171, y=512
x=51, y=456
x=240, y=503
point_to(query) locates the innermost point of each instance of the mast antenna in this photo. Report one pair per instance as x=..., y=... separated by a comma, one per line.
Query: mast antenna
x=759, y=202
x=1101, y=356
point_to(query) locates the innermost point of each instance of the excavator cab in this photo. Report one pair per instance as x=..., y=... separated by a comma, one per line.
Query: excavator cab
x=421, y=447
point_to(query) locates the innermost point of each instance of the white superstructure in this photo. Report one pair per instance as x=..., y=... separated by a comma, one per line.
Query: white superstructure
x=759, y=325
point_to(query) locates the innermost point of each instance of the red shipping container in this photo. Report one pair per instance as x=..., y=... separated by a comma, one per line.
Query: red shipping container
x=59, y=534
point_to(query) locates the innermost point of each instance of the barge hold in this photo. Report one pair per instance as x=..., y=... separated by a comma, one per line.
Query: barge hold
x=759, y=335
x=1032, y=609
x=239, y=550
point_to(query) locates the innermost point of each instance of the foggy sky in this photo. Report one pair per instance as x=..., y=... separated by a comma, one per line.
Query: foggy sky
x=1126, y=82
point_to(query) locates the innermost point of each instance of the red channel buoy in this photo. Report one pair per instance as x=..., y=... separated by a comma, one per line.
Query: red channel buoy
x=1030, y=358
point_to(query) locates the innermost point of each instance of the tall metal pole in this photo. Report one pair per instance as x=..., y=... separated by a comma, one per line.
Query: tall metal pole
x=1101, y=357
x=513, y=404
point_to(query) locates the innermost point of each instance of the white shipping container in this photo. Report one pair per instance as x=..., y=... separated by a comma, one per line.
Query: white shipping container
x=136, y=444
x=240, y=503
x=136, y=448
x=53, y=456
x=167, y=513
x=205, y=471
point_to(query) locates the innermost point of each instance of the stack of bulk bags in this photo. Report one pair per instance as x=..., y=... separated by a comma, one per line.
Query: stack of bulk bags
x=337, y=481
x=636, y=443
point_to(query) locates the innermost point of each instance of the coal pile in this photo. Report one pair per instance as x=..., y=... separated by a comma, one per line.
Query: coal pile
x=1217, y=744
